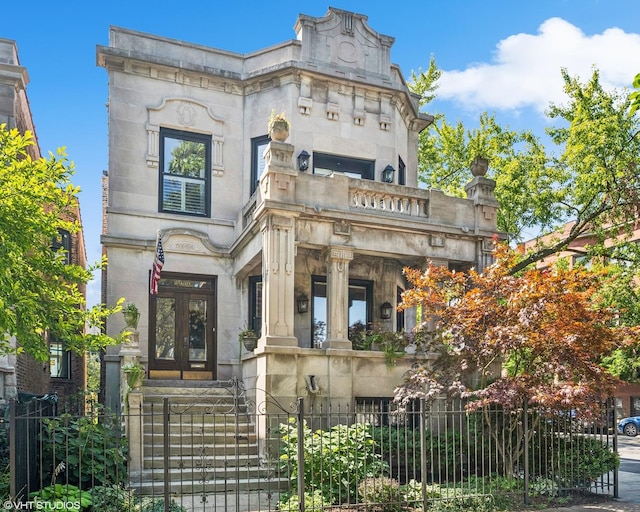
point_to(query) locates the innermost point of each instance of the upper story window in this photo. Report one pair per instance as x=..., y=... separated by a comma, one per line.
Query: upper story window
x=185, y=185
x=258, y=145
x=325, y=164
x=60, y=359
x=63, y=242
x=402, y=172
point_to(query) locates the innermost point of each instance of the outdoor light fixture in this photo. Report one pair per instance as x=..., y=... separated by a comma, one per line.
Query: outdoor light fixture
x=385, y=311
x=387, y=174
x=303, y=304
x=303, y=160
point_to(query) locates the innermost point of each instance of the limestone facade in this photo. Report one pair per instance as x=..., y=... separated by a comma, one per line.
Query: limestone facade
x=267, y=233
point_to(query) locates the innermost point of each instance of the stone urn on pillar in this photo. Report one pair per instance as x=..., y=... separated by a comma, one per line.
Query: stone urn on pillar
x=278, y=127
x=131, y=316
x=479, y=166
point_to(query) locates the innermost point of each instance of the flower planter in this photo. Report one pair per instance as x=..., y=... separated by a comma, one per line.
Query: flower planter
x=279, y=131
x=250, y=342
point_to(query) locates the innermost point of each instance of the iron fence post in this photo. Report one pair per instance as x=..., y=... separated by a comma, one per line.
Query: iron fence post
x=301, y=454
x=616, y=483
x=525, y=429
x=165, y=455
x=423, y=452
x=12, y=449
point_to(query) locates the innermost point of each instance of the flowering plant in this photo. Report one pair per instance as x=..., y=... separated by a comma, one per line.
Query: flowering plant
x=277, y=118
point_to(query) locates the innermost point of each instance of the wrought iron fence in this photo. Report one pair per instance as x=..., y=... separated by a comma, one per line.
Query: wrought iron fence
x=218, y=451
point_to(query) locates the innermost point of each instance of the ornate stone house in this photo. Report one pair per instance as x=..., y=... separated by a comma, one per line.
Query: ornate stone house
x=298, y=239
x=65, y=374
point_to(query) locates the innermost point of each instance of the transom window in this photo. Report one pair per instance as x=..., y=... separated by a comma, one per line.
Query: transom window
x=325, y=164
x=184, y=180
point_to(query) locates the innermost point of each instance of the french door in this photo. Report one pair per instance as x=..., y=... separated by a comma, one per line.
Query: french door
x=182, y=341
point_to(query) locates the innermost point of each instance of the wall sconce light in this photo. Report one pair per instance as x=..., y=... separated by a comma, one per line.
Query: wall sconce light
x=385, y=311
x=387, y=174
x=303, y=160
x=303, y=304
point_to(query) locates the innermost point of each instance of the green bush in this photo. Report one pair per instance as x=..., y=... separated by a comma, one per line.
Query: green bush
x=574, y=462
x=59, y=496
x=400, y=446
x=336, y=460
x=381, y=492
x=92, y=448
x=112, y=498
x=313, y=502
x=463, y=502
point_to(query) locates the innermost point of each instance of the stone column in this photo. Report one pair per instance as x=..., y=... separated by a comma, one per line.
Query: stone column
x=338, y=259
x=278, y=298
x=133, y=404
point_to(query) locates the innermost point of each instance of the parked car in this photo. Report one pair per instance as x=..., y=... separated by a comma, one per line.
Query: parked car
x=629, y=426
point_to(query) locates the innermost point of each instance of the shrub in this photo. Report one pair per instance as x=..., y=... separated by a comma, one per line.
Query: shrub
x=312, y=502
x=336, y=460
x=463, y=502
x=61, y=497
x=401, y=448
x=112, y=498
x=382, y=492
x=92, y=448
x=575, y=461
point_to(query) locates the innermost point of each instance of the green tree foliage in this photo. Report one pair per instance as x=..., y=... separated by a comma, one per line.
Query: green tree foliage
x=40, y=294
x=590, y=177
x=635, y=95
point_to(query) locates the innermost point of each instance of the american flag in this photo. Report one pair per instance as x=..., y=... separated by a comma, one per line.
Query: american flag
x=158, y=263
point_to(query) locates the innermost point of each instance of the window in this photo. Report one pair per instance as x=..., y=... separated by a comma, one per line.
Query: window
x=402, y=172
x=399, y=314
x=360, y=306
x=184, y=178
x=386, y=411
x=255, y=304
x=63, y=242
x=324, y=164
x=258, y=145
x=60, y=359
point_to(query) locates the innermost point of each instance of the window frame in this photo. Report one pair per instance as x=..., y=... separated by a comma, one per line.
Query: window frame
x=360, y=283
x=254, y=321
x=257, y=157
x=402, y=172
x=357, y=166
x=188, y=137
x=63, y=241
x=64, y=358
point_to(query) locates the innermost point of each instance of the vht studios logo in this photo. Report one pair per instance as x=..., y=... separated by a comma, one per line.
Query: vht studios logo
x=41, y=505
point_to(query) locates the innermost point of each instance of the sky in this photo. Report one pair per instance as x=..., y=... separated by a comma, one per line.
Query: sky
x=499, y=56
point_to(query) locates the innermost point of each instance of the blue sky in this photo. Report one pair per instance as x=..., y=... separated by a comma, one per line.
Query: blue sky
x=500, y=56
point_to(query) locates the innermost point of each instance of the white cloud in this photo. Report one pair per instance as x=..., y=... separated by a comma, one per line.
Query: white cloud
x=525, y=71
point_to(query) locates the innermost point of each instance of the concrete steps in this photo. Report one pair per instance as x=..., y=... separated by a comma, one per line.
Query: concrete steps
x=212, y=444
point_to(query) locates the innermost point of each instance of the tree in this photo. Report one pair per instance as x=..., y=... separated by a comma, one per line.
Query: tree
x=635, y=95
x=590, y=179
x=535, y=338
x=40, y=294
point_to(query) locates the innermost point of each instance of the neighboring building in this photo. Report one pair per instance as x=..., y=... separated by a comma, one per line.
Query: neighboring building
x=66, y=372
x=627, y=394
x=250, y=227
